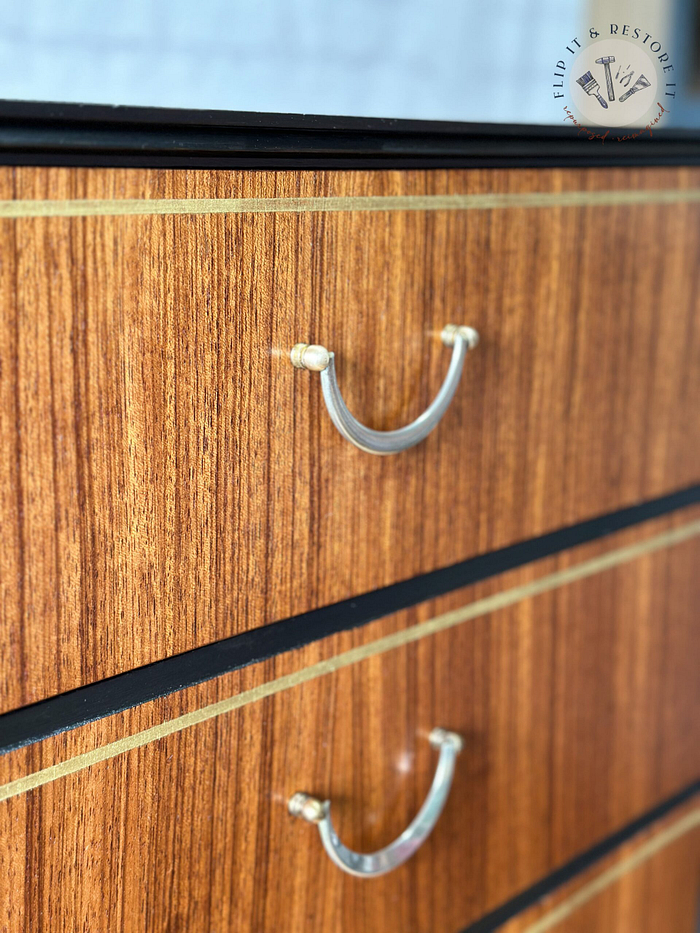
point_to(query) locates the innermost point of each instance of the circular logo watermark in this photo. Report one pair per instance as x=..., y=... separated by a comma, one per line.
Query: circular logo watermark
x=613, y=83
x=615, y=80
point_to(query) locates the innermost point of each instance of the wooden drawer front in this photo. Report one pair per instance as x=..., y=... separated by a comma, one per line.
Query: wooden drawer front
x=650, y=885
x=579, y=712
x=168, y=479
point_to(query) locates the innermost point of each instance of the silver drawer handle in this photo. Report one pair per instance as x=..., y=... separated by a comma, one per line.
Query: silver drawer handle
x=378, y=863
x=320, y=360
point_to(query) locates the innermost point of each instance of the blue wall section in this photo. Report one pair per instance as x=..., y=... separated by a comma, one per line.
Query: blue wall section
x=427, y=59
x=472, y=60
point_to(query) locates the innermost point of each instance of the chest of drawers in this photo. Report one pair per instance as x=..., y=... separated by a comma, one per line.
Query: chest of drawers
x=212, y=600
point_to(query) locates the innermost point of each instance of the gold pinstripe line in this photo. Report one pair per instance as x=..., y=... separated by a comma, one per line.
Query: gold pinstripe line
x=406, y=636
x=424, y=202
x=585, y=894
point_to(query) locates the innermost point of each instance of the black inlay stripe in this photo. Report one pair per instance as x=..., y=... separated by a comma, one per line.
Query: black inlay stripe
x=532, y=895
x=88, y=134
x=115, y=694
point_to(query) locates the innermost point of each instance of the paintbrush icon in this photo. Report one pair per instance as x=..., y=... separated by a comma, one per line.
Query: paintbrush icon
x=639, y=85
x=591, y=87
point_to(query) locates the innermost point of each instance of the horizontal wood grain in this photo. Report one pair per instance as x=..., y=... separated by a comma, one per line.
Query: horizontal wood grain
x=578, y=707
x=168, y=480
x=650, y=885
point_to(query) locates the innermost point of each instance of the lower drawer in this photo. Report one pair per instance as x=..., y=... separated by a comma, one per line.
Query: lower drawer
x=650, y=885
x=578, y=708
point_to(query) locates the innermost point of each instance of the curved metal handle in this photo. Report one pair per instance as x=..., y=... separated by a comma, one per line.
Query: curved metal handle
x=378, y=863
x=318, y=359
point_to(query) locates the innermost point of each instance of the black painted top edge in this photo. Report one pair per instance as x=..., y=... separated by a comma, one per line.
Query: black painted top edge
x=39, y=133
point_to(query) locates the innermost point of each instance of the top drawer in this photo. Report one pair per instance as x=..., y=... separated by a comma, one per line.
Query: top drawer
x=169, y=479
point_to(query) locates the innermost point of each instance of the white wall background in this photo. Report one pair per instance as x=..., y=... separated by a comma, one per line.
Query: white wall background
x=432, y=59
x=474, y=60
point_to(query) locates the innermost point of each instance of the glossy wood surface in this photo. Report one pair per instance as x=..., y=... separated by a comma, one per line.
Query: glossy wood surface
x=167, y=479
x=649, y=885
x=345, y=648
x=579, y=710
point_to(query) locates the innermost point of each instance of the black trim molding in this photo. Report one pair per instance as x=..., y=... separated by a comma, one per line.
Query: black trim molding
x=94, y=135
x=114, y=695
x=546, y=886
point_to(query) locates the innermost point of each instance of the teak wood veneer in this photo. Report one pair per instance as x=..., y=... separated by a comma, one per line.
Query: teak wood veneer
x=578, y=707
x=649, y=885
x=167, y=479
